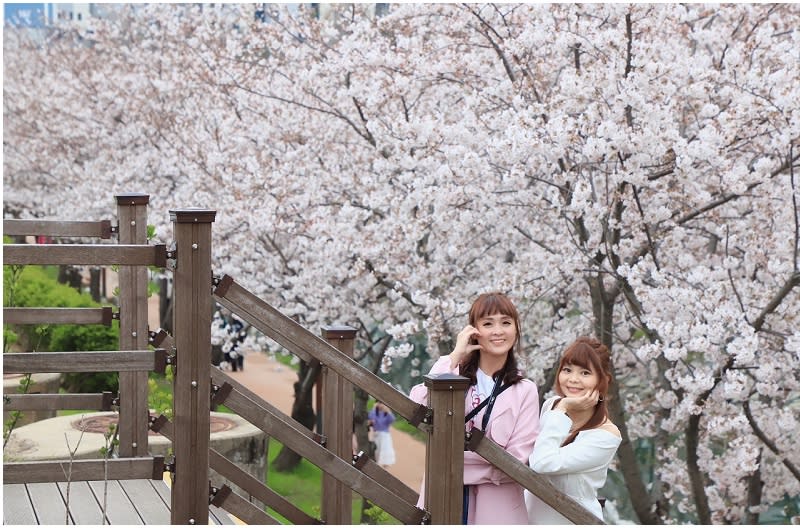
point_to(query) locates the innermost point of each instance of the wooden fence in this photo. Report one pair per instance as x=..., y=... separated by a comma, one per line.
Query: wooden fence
x=198, y=387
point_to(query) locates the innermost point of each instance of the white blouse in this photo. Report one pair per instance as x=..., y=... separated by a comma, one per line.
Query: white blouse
x=578, y=469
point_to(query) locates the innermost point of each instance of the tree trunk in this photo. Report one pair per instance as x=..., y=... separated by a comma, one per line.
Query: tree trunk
x=755, y=489
x=94, y=283
x=603, y=308
x=165, y=305
x=302, y=411
x=695, y=475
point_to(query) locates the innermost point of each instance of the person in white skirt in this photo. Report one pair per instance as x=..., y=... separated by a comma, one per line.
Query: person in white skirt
x=382, y=419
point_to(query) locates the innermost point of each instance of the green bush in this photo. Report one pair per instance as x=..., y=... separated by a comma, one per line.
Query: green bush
x=87, y=337
x=35, y=286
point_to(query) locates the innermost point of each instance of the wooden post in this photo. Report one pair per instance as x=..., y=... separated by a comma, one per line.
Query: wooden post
x=192, y=382
x=337, y=426
x=444, y=457
x=133, y=389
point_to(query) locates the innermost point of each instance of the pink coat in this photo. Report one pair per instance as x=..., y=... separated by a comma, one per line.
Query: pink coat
x=514, y=424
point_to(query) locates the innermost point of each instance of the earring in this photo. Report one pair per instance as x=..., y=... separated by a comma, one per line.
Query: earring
x=600, y=399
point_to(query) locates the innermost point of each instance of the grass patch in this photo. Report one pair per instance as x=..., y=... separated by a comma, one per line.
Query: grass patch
x=303, y=488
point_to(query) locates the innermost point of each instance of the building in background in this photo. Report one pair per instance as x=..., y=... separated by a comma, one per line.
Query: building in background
x=45, y=14
x=42, y=15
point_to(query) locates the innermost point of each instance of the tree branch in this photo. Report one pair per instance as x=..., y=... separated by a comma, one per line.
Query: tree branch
x=495, y=46
x=791, y=282
x=768, y=442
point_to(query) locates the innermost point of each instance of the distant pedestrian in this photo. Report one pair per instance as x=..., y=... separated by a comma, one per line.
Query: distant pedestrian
x=238, y=333
x=382, y=418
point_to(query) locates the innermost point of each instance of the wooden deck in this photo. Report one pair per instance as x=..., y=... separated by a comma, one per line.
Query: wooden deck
x=140, y=501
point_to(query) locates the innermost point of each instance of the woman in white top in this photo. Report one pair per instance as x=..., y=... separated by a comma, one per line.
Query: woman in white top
x=576, y=441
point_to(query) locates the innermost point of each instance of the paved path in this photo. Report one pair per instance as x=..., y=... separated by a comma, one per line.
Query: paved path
x=274, y=382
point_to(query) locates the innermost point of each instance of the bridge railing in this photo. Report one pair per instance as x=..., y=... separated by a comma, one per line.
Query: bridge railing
x=197, y=387
x=443, y=419
x=133, y=361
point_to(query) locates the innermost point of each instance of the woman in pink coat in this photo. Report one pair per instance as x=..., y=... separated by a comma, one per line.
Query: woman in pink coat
x=507, y=407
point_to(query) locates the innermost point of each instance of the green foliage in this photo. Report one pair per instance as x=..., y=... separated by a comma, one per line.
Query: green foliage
x=87, y=337
x=376, y=515
x=36, y=286
x=159, y=393
x=10, y=337
x=110, y=441
x=11, y=280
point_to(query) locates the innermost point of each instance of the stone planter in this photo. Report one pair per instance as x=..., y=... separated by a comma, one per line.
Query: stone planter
x=232, y=436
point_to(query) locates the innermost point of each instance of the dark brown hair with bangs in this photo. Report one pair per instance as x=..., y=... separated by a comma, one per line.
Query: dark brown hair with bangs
x=488, y=304
x=589, y=353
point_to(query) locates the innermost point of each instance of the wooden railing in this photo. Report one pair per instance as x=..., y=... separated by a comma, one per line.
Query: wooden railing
x=133, y=361
x=198, y=387
x=443, y=420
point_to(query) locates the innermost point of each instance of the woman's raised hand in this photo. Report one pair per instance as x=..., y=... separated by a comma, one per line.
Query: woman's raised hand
x=580, y=403
x=463, y=346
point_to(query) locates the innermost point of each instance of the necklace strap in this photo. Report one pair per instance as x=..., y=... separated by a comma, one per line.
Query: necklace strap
x=488, y=402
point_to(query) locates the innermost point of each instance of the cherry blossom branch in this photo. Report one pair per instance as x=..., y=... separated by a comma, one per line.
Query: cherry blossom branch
x=796, y=212
x=788, y=286
x=767, y=441
x=502, y=56
x=725, y=198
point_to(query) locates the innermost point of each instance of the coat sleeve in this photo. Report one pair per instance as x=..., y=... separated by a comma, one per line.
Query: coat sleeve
x=590, y=450
x=514, y=430
x=419, y=392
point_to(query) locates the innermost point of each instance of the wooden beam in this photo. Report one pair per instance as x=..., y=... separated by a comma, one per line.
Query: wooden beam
x=290, y=432
x=337, y=426
x=377, y=473
x=133, y=409
x=93, y=361
x=191, y=385
x=46, y=402
x=258, y=313
x=57, y=228
x=242, y=508
x=22, y=316
x=258, y=490
x=532, y=481
x=244, y=480
x=444, y=456
x=95, y=469
x=298, y=340
x=86, y=254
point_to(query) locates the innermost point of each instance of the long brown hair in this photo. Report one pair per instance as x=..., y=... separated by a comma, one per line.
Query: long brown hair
x=591, y=354
x=485, y=305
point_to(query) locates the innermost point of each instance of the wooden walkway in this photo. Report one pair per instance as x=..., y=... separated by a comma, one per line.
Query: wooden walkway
x=140, y=501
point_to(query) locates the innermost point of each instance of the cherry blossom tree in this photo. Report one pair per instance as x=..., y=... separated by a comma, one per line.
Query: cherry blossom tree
x=626, y=171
